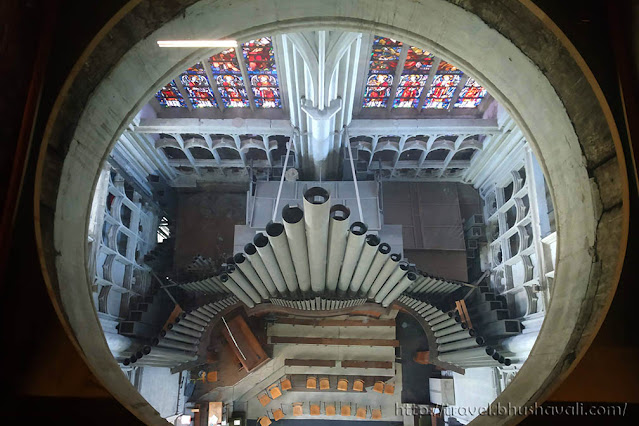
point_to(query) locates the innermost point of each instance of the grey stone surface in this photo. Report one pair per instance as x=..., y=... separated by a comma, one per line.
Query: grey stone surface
x=608, y=177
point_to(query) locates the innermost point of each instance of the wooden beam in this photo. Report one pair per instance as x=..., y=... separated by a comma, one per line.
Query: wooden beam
x=367, y=364
x=334, y=341
x=310, y=362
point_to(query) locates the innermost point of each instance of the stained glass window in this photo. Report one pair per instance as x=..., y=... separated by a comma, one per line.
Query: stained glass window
x=443, y=86
x=169, y=96
x=197, y=86
x=382, y=68
x=228, y=79
x=416, y=68
x=260, y=62
x=471, y=95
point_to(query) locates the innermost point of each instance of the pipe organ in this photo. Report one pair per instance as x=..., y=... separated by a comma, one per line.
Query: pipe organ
x=317, y=260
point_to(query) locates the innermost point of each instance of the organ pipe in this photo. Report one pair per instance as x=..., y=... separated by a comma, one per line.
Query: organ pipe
x=279, y=243
x=391, y=264
x=239, y=279
x=394, y=278
x=260, y=268
x=381, y=256
x=265, y=251
x=354, y=246
x=316, y=216
x=364, y=262
x=251, y=275
x=338, y=233
x=405, y=282
x=293, y=216
x=236, y=290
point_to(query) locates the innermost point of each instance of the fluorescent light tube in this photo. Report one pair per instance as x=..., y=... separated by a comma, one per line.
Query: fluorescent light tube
x=197, y=43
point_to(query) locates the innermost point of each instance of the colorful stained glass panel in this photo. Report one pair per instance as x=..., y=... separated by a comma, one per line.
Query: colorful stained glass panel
x=443, y=87
x=260, y=64
x=418, y=61
x=169, y=96
x=414, y=76
x=408, y=90
x=197, y=86
x=383, y=63
x=225, y=62
x=471, y=95
x=446, y=68
x=228, y=79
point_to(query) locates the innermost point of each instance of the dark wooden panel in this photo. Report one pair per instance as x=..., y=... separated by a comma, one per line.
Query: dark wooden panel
x=367, y=364
x=248, y=349
x=334, y=341
x=341, y=323
x=310, y=362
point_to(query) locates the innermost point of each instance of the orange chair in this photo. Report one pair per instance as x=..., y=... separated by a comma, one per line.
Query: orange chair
x=345, y=410
x=378, y=387
x=285, y=382
x=361, y=412
x=389, y=388
x=329, y=409
x=342, y=384
x=277, y=414
x=324, y=383
x=358, y=385
x=298, y=408
x=315, y=409
x=211, y=376
x=264, y=421
x=376, y=413
x=274, y=391
x=311, y=382
x=264, y=399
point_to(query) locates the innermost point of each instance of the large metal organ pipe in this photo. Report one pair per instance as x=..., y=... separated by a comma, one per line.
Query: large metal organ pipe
x=316, y=217
x=279, y=242
x=293, y=216
x=354, y=245
x=338, y=233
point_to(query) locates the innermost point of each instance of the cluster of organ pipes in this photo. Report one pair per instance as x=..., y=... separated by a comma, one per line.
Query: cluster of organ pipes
x=179, y=342
x=318, y=303
x=458, y=344
x=316, y=251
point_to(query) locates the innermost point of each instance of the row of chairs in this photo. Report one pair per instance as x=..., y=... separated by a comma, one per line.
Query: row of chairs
x=342, y=385
x=315, y=409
